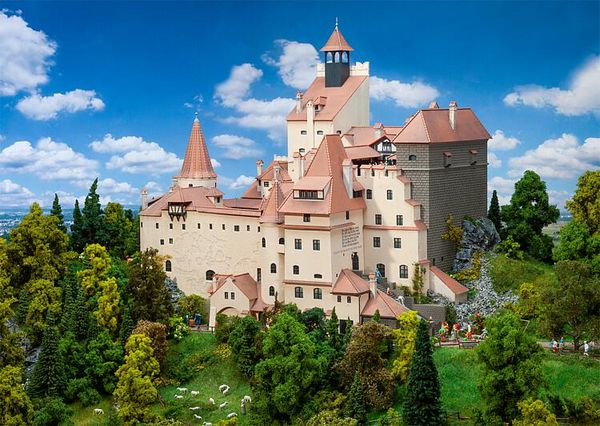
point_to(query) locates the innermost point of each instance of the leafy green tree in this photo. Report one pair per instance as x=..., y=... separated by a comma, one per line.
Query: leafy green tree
x=334, y=339
x=528, y=213
x=10, y=348
x=510, y=367
x=356, y=405
x=108, y=306
x=417, y=280
x=77, y=239
x=135, y=389
x=366, y=355
x=454, y=233
x=494, y=212
x=391, y=418
x=157, y=333
x=92, y=218
x=286, y=377
x=330, y=418
x=48, y=377
x=377, y=316
x=103, y=358
x=314, y=320
x=51, y=412
x=57, y=212
x=572, y=306
x=422, y=405
x=244, y=341
x=404, y=336
x=577, y=243
x=585, y=204
x=97, y=265
x=191, y=305
x=529, y=301
x=44, y=300
x=15, y=406
x=146, y=287
x=73, y=356
x=119, y=225
x=534, y=413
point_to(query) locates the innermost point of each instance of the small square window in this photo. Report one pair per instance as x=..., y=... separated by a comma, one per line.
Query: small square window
x=266, y=184
x=397, y=243
x=399, y=220
x=170, y=240
x=162, y=242
x=303, y=132
x=306, y=218
x=377, y=219
x=376, y=242
x=319, y=132
x=236, y=228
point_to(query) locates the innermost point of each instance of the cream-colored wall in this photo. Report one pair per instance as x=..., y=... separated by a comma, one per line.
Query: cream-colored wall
x=310, y=261
x=194, y=251
x=240, y=303
x=355, y=112
x=272, y=253
x=189, y=182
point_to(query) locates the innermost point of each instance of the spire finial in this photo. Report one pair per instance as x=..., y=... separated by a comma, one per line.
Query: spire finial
x=336, y=23
x=196, y=117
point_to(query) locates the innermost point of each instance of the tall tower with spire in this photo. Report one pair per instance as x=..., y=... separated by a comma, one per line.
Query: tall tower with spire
x=337, y=58
x=197, y=169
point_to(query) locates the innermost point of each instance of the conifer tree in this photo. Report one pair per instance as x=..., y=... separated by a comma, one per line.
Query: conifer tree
x=77, y=241
x=127, y=324
x=356, y=403
x=48, y=377
x=422, y=406
x=494, y=212
x=81, y=320
x=377, y=316
x=92, y=225
x=57, y=212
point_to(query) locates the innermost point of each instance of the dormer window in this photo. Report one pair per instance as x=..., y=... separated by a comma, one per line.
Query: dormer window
x=308, y=195
x=266, y=184
x=447, y=159
x=301, y=150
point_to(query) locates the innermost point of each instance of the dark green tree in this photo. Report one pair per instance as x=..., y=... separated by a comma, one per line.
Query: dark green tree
x=103, y=358
x=146, y=287
x=356, y=404
x=422, y=405
x=377, y=316
x=57, y=212
x=528, y=213
x=334, y=339
x=510, y=363
x=48, y=377
x=77, y=239
x=127, y=324
x=52, y=411
x=92, y=224
x=494, y=212
x=244, y=341
x=11, y=352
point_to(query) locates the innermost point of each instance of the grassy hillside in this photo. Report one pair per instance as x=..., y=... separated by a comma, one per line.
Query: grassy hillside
x=509, y=274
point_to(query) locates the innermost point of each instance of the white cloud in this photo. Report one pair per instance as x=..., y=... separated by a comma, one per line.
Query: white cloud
x=407, y=95
x=24, y=56
x=297, y=64
x=14, y=195
x=215, y=163
x=138, y=156
x=504, y=187
x=196, y=102
x=494, y=161
x=111, y=186
x=561, y=158
x=501, y=142
x=237, y=86
x=581, y=97
x=242, y=181
x=44, y=108
x=236, y=147
x=559, y=198
x=47, y=159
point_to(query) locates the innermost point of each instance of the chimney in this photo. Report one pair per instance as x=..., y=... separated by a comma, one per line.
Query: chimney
x=276, y=171
x=347, y=169
x=259, y=164
x=299, y=102
x=301, y=168
x=379, y=130
x=144, y=199
x=452, y=114
x=373, y=284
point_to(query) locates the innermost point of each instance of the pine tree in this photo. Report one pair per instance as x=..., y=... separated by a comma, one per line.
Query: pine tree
x=92, y=225
x=377, y=316
x=127, y=324
x=57, y=212
x=356, y=403
x=48, y=377
x=334, y=340
x=494, y=212
x=81, y=320
x=77, y=242
x=422, y=405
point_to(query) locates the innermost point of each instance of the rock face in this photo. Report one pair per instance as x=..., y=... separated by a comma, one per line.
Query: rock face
x=478, y=235
x=174, y=291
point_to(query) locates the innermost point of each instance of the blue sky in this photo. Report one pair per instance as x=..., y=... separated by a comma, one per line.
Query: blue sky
x=110, y=89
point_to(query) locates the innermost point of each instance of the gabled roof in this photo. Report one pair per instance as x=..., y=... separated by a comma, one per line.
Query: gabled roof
x=433, y=126
x=387, y=307
x=270, y=205
x=268, y=173
x=244, y=282
x=336, y=42
x=368, y=135
x=453, y=285
x=350, y=283
x=327, y=163
x=196, y=163
x=361, y=152
x=336, y=98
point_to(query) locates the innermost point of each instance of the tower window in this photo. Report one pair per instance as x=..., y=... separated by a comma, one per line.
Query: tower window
x=198, y=226
x=210, y=226
x=271, y=291
x=329, y=58
x=170, y=226
x=447, y=159
x=403, y=271
x=226, y=295
x=397, y=243
x=376, y=241
x=223, y=226
x=183, y=226
x=298, y=292
x=344, y=57
x=168, y=266
x=232, y=295
x=296, y=270
x=273, y=268
x=377, y=219
x=318, y=276
x=348, y=299
x=303, y=132
x=319, y=132
x=236, y=228
x=347, y=215
x=339, y=299
x=162, y=242
x=317, y=293
x=282, y=240
x=390, y=194
x=156, y=225
x=170, y=240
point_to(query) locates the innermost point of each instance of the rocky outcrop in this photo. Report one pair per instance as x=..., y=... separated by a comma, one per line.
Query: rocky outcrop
x=174, y=291
x=478, y=235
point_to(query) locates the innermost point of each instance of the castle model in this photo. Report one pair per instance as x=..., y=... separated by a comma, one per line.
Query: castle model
x=351, y=212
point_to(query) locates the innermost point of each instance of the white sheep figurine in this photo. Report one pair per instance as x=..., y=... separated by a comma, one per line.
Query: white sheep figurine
x=211, y=400
x=98, y=411
x=198, y=417
x=247, y=399
x=178, y=396
x=230, y=415
x=222, y=387
x=223, y=404
x=194, y=408
x=182, y=390
x=226, y=391
x=194, y=393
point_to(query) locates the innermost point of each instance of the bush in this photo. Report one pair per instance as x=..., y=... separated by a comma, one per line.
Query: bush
x=225, y=325
x=157, y=332
x=192, y=305
x=52, y=411
x=178, y=329
x=510, y=248
x=535, y=413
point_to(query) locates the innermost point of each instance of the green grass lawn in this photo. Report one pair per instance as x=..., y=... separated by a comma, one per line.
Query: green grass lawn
x=509, y=274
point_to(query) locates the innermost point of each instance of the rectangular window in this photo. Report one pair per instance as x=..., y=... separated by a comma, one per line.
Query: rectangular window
x=156, y=225
x=347, y=215
x=316, y=245
x=339, y=299
x=308, y=195
x=377, y=219
x=349, y=299
x=296, y=270
x=258, y=274
x=399, y=220
x=266, y=184
x=183, y=226
x=303, y=132
x=232, y=295
x=210, y=226
x=170, y=226
x=170, y=240
x=226, y=295
x=389, y=194
x=247, y=227
x=258, y=229
x=397, y=243
x=376, y=242
x=141, y=224
x=236, y=228
x=369, y=194
x=198, y=226
x=306, y=218
x=447, y=159
x=223, y=226
x=298, y=244
x=162, y=242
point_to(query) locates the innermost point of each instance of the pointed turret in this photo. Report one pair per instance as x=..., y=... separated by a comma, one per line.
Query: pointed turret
x=337, y=59
x=197, y=169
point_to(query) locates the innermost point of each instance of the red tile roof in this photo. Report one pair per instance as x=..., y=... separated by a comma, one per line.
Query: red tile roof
x=453, y=285
x=350, y=283
x=433, y=126
x=196, y=163
x=388, y=307
x=367, y=135
x=268, y=173
x=336, y=42
x=361, y=152
x=244, y=282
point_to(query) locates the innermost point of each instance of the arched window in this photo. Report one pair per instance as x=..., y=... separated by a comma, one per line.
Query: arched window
x=273, y=268
x=317, y=293
x=282, y=240
x=329, y=58
x=412, y=157
x=298, y=292
x=345, y=57
x=168, y=266
x=264, y=242
x=403, y=271
x=381, y=269
x=271, y=291
x=209, y=275
x=296, y=270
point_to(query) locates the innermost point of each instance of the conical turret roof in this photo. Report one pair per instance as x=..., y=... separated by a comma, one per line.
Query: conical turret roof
x=196, y=163
x=336, y=42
